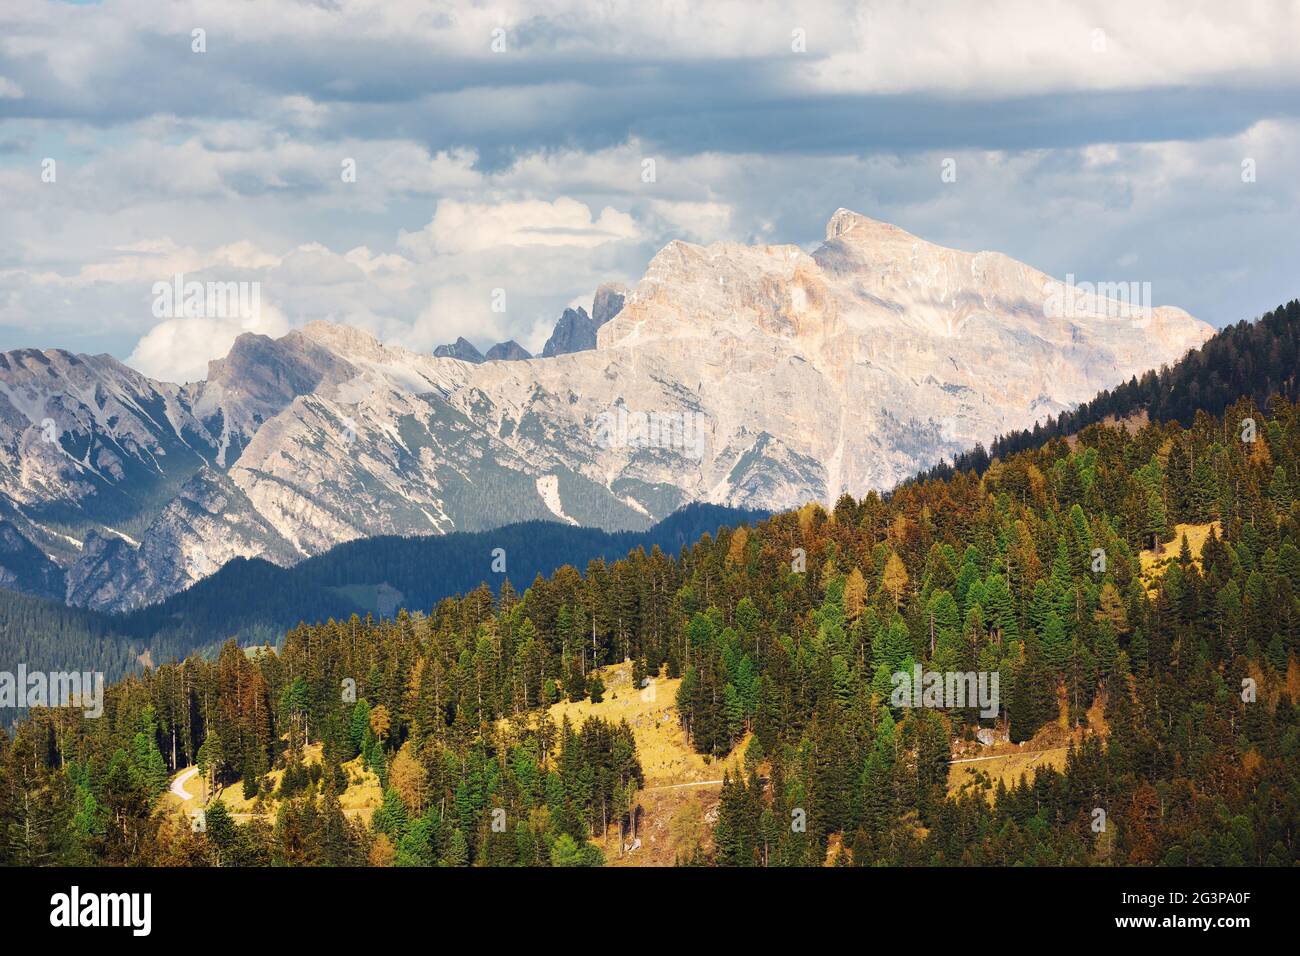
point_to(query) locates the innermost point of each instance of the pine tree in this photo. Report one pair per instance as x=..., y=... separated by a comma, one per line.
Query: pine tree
x=1156, y=526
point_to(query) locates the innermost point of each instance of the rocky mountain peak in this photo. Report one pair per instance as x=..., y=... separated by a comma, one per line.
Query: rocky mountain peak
x=574, y=332
x=607, y=302
x=508, y=351
x=851, y=226
x=462, y=349
x=341, y=339
x=260, y=376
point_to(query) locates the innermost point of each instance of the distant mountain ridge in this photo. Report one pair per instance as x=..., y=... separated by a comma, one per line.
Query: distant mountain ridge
x=756, y=377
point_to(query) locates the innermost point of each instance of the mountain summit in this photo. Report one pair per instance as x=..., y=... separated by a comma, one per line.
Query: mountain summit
x=751, y=376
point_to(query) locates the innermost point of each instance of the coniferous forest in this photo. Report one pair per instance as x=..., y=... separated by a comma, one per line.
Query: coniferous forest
x=257, y=601
x=1136, y=591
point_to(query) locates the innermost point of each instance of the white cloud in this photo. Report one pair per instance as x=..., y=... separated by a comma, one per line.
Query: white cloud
x=1014, y=46
x=460, y=227
x=702, y=222
x=178, y=350
x=144, y=261
x=9, y=90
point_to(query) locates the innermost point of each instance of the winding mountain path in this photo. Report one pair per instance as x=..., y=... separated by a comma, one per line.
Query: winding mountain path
x=1031, y=753
x=679, y=786
x=178, y=784
x=709, y=783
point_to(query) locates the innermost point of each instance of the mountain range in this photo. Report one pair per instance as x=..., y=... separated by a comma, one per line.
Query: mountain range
x=755, y=377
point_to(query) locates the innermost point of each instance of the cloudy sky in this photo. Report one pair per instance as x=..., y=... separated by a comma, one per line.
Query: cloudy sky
x=544, y=147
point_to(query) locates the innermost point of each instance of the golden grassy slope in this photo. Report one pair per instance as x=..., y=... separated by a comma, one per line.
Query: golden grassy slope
x=359, y=800
x=651, y=712
x=1154, y=562
x=680, y=799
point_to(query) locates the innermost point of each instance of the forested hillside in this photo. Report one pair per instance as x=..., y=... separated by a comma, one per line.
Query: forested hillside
x=1175, y=678
x=1256, y=359
x=255, y=601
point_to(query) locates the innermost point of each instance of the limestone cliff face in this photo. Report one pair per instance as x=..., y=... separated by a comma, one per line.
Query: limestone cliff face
x=876, y=355
x=750, y=376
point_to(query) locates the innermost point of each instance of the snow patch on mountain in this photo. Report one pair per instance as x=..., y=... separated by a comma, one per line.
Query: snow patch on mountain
x=548, y=486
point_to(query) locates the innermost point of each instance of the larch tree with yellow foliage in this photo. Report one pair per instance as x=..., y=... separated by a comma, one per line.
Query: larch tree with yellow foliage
x=895, y=579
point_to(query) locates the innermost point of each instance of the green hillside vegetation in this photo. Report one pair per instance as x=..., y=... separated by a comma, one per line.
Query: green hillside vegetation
x=784, y=635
